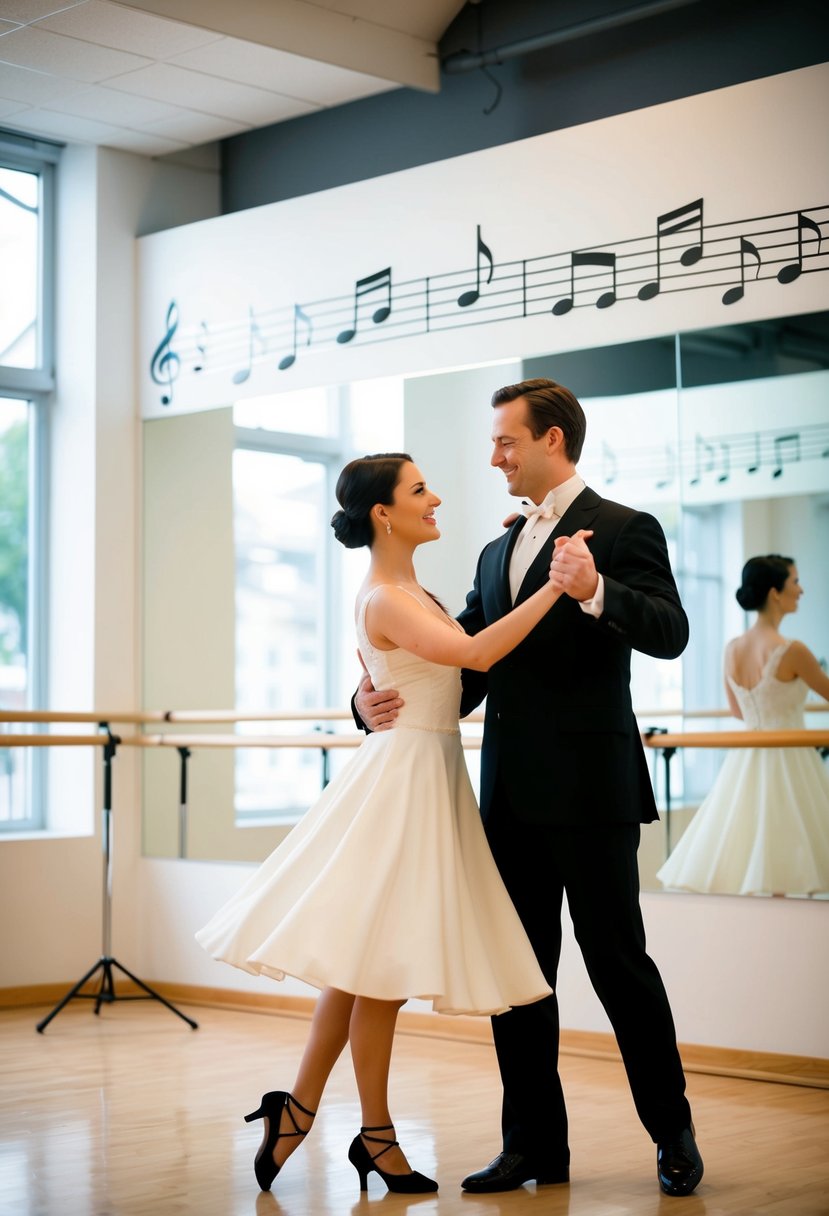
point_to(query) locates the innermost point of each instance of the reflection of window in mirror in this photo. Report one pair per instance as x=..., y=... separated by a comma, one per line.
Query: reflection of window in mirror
x=295, y=644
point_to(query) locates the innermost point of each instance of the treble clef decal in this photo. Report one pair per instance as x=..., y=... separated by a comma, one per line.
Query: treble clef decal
x=165, y=363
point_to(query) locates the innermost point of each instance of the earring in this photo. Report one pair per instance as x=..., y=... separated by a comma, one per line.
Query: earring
x=388, y=527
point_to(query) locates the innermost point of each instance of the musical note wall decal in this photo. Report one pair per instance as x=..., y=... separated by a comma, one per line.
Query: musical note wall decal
x=782, y=443
x=165, y=364
x=703, y=452
x=757, y=461
x=712, y=460
x=779, y=248
x=299, y=315
x=584, y=258
x=381, y=281
x=668, y=476
x=471, y=297
x=689, y=216
x=793, y=271
x=747, y=249
x=254, y=335
x=201, y=348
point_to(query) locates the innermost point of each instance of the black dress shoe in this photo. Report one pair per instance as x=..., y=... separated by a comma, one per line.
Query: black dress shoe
x=509, y=1171
x=678, y=1164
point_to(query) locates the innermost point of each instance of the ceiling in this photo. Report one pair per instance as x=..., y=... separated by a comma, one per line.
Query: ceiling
x=160, y=76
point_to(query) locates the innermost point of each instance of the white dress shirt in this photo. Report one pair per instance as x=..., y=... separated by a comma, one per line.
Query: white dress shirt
x=541, y=520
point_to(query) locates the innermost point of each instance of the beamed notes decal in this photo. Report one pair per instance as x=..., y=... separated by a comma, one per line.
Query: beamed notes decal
x=682, y=253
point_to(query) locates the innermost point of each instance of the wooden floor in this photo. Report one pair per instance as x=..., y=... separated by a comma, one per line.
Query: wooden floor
x=132, y=1113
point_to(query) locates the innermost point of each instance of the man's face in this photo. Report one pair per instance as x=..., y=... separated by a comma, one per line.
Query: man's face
x=523, y=459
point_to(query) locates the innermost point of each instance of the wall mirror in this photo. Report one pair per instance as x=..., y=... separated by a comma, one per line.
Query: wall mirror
x=722, y=433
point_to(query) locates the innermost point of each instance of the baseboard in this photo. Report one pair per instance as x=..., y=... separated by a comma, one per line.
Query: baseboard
x=717, y=1061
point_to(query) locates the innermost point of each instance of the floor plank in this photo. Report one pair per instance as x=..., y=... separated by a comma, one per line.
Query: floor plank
x=132, y=1113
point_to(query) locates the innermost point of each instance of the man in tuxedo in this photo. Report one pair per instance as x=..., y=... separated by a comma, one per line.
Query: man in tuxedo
x=564, y=782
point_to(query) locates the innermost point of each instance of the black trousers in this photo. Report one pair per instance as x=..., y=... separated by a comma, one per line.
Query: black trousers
x=597, y=867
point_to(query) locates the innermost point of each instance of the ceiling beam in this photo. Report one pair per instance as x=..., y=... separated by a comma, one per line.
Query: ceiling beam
x=313, y=32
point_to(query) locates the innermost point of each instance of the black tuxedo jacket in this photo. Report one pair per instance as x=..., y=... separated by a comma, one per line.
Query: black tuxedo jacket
x=560, y=729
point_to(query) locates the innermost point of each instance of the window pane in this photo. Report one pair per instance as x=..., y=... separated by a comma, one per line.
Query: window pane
x=19, y=260
x=280, y=517
x=15, y=766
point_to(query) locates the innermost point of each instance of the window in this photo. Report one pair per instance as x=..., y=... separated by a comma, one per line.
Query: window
x=295, y=585
x=26, y=382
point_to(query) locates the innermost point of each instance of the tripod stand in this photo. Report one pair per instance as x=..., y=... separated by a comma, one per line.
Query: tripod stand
x=106, y=993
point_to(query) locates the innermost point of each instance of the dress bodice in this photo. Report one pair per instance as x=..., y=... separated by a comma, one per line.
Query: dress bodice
x=430, y=691
x=772, y=704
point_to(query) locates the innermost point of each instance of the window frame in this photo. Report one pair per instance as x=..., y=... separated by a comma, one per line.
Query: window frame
x=36, y=386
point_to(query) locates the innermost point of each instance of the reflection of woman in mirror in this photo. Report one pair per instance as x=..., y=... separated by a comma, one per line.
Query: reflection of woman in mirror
x=386, y=889
x=764, y=827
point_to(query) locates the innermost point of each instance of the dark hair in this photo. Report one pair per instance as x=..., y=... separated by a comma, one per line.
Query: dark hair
x=362, y=484
x=760, y=575
x=549, y=404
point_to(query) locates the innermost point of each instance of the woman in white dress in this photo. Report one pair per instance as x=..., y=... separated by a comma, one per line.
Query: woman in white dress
x=763, y=829
x=386, y=889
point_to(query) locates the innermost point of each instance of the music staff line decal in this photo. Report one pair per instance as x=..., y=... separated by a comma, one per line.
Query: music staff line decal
x=713, y=459
x=683, y=253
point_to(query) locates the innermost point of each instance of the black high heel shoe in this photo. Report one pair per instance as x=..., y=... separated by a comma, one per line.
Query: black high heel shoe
x=271, y=1108
x=363, y=1162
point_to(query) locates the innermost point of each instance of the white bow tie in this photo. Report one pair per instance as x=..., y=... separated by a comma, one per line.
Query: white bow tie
x=544, y=510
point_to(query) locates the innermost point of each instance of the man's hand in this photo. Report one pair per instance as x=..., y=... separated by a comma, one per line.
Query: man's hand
x=377, y=709
x=573, y=570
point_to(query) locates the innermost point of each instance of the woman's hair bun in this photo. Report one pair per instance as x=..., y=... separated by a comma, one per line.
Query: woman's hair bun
x=353, y=533
x=760, y=575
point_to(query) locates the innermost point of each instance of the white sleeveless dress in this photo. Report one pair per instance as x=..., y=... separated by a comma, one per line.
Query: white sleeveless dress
x=387, y=887
x=764, y=827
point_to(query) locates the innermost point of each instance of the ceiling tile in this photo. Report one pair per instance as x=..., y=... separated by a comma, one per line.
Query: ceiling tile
x=127, y=30
x=209, y=95
x=281, y=72
x=66, y=126
x=36, y=88
x=6, y=27
x=197, y=128
x=25, y=11
x=35, y=48
x=120, y=109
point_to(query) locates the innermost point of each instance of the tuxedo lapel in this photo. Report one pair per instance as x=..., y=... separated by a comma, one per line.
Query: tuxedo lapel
x=506, y=545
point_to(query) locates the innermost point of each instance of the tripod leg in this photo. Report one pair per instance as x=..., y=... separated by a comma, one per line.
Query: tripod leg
x=155, y=995
x=106, y=992
x=41, y=1026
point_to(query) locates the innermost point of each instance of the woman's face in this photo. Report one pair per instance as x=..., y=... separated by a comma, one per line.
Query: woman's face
x=790, y=592
x=412, y=510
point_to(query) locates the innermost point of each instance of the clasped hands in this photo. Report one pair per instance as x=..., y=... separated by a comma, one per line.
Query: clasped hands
x=572, y=569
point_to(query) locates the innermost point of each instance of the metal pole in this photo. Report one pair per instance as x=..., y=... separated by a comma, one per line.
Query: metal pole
x=184, y=753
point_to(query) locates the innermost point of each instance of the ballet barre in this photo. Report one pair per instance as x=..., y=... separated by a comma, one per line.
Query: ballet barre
x=668, y=743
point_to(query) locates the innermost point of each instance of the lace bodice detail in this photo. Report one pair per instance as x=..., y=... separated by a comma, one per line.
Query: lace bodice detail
x=431, y=692
x=772, y=704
